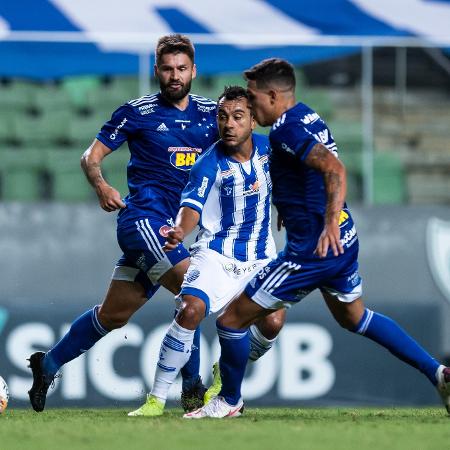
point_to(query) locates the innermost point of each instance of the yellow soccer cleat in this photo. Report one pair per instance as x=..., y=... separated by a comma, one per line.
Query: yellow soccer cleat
x=153, y=407
x=216, y=385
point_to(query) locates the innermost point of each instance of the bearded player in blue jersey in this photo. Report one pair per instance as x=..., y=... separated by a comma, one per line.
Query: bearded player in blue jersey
x=165, y=132
x=309, y=188
x=228, y=195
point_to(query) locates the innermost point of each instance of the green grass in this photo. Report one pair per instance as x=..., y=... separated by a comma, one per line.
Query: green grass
x=258, y=429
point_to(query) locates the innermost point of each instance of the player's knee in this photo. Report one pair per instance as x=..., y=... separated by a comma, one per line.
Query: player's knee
x=112, y=320
x=347, y=322
x=273, y=323
x=191, y=313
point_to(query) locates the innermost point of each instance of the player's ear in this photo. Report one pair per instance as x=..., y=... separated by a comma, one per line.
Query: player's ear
x=155, y=70
x=194, y=71
x=273, y=96
x=253, y=122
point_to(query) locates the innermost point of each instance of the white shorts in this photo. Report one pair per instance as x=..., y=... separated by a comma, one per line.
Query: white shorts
x=217, y=279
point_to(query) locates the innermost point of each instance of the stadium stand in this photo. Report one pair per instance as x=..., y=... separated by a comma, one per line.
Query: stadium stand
x=44, y=128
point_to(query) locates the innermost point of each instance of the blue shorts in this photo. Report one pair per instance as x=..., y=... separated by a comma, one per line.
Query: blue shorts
x=143, y=259
x=287, y=280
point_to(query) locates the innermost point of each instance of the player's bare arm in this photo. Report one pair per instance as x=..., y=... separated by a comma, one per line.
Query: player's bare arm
x=321, y=159
x=108, y=197
x=187, y=219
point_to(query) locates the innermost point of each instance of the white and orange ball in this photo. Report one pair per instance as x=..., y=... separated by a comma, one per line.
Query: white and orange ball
x=4, y=395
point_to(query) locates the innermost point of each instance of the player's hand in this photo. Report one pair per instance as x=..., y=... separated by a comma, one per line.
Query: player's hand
x=175, y=236
x=330, y=237
x=109, y=198
x=280, y=223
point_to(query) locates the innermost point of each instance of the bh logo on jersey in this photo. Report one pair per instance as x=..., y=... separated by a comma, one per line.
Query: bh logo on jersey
x=183, y=158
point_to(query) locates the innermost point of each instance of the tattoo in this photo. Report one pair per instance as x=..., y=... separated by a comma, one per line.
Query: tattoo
x=322, y=160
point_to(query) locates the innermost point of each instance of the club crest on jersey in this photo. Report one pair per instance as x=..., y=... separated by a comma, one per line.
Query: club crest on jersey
x=183, y=158
x=438, y=250
x=253, y=188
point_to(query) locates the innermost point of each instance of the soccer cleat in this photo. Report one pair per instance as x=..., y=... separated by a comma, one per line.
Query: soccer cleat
x=151, y=408
x=443, y=385
x=41, y=382
x=217, y=408
x=192, y=399
x=216, y=385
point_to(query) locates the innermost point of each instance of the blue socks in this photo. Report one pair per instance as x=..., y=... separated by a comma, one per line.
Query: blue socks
x=190, y=372
x=235, y=349
x=390, y=335
x=83, y=334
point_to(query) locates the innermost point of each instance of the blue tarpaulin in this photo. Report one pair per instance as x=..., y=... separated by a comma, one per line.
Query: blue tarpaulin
x=53, y=38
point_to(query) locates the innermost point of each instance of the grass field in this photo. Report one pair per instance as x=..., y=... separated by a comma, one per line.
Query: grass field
x=258, y=429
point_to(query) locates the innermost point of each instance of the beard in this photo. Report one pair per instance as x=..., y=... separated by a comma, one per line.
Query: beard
x=172, y=96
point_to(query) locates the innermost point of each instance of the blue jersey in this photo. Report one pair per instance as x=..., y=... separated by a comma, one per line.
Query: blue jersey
x=233, y=199
x=298, y=190
x=164, y=143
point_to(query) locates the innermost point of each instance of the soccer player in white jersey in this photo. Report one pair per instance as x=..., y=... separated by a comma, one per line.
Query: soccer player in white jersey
x=165, y=133
x=228, y=195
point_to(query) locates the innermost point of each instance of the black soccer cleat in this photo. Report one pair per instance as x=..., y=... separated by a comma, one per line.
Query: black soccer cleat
x=41, y=382
x=192, y=399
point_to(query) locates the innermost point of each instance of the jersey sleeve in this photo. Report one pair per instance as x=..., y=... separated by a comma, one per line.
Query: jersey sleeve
x=293, y=138
x=119, y=128
x=201, y=179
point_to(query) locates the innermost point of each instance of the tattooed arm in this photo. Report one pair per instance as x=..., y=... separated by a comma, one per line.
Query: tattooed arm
x=108, y=197
x=321, y=159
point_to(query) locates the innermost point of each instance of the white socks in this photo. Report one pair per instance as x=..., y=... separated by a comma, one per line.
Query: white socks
x=174, y=354
x=259, y=344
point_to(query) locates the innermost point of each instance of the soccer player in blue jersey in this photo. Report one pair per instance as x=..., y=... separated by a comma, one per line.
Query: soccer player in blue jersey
x=228, y=195
x=165, y=132
x=309, y=188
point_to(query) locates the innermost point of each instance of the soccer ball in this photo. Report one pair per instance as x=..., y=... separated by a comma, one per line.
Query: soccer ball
x=4, y=395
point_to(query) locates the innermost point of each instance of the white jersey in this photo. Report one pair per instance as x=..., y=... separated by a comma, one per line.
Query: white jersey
x=233, y=199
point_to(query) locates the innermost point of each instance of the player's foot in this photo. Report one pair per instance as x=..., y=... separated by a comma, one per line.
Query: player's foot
x=217, y=408
x=216, y=385
x=443, y=385
x=41, y=382
x=192, y=398
x=151, y=408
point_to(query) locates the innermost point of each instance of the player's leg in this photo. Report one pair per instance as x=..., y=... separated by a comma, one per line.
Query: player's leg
x=122, y=300
x=264, y=333
x=261, y=297
x=347, y=307
x=232, y=328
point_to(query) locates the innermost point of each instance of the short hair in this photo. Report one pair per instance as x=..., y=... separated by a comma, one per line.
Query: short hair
x=232, y=93
x=174, y=43
x=270, y=71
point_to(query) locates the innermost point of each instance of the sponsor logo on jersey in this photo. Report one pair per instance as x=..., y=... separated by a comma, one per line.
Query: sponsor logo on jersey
x=227, y=173
x=204, y=108
x=263, y=159
x=183, y=158
x=192, y=275
x=238, y=271
x=164, y=230
x=162, y=127
x=286, y=148
x=142, y=263
x=438, y=251
x=343, y=217
x=113, y=135
x=349, y=237
x=147, y=109
x=354, y=279
x=202, y=189
x=310, y=118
